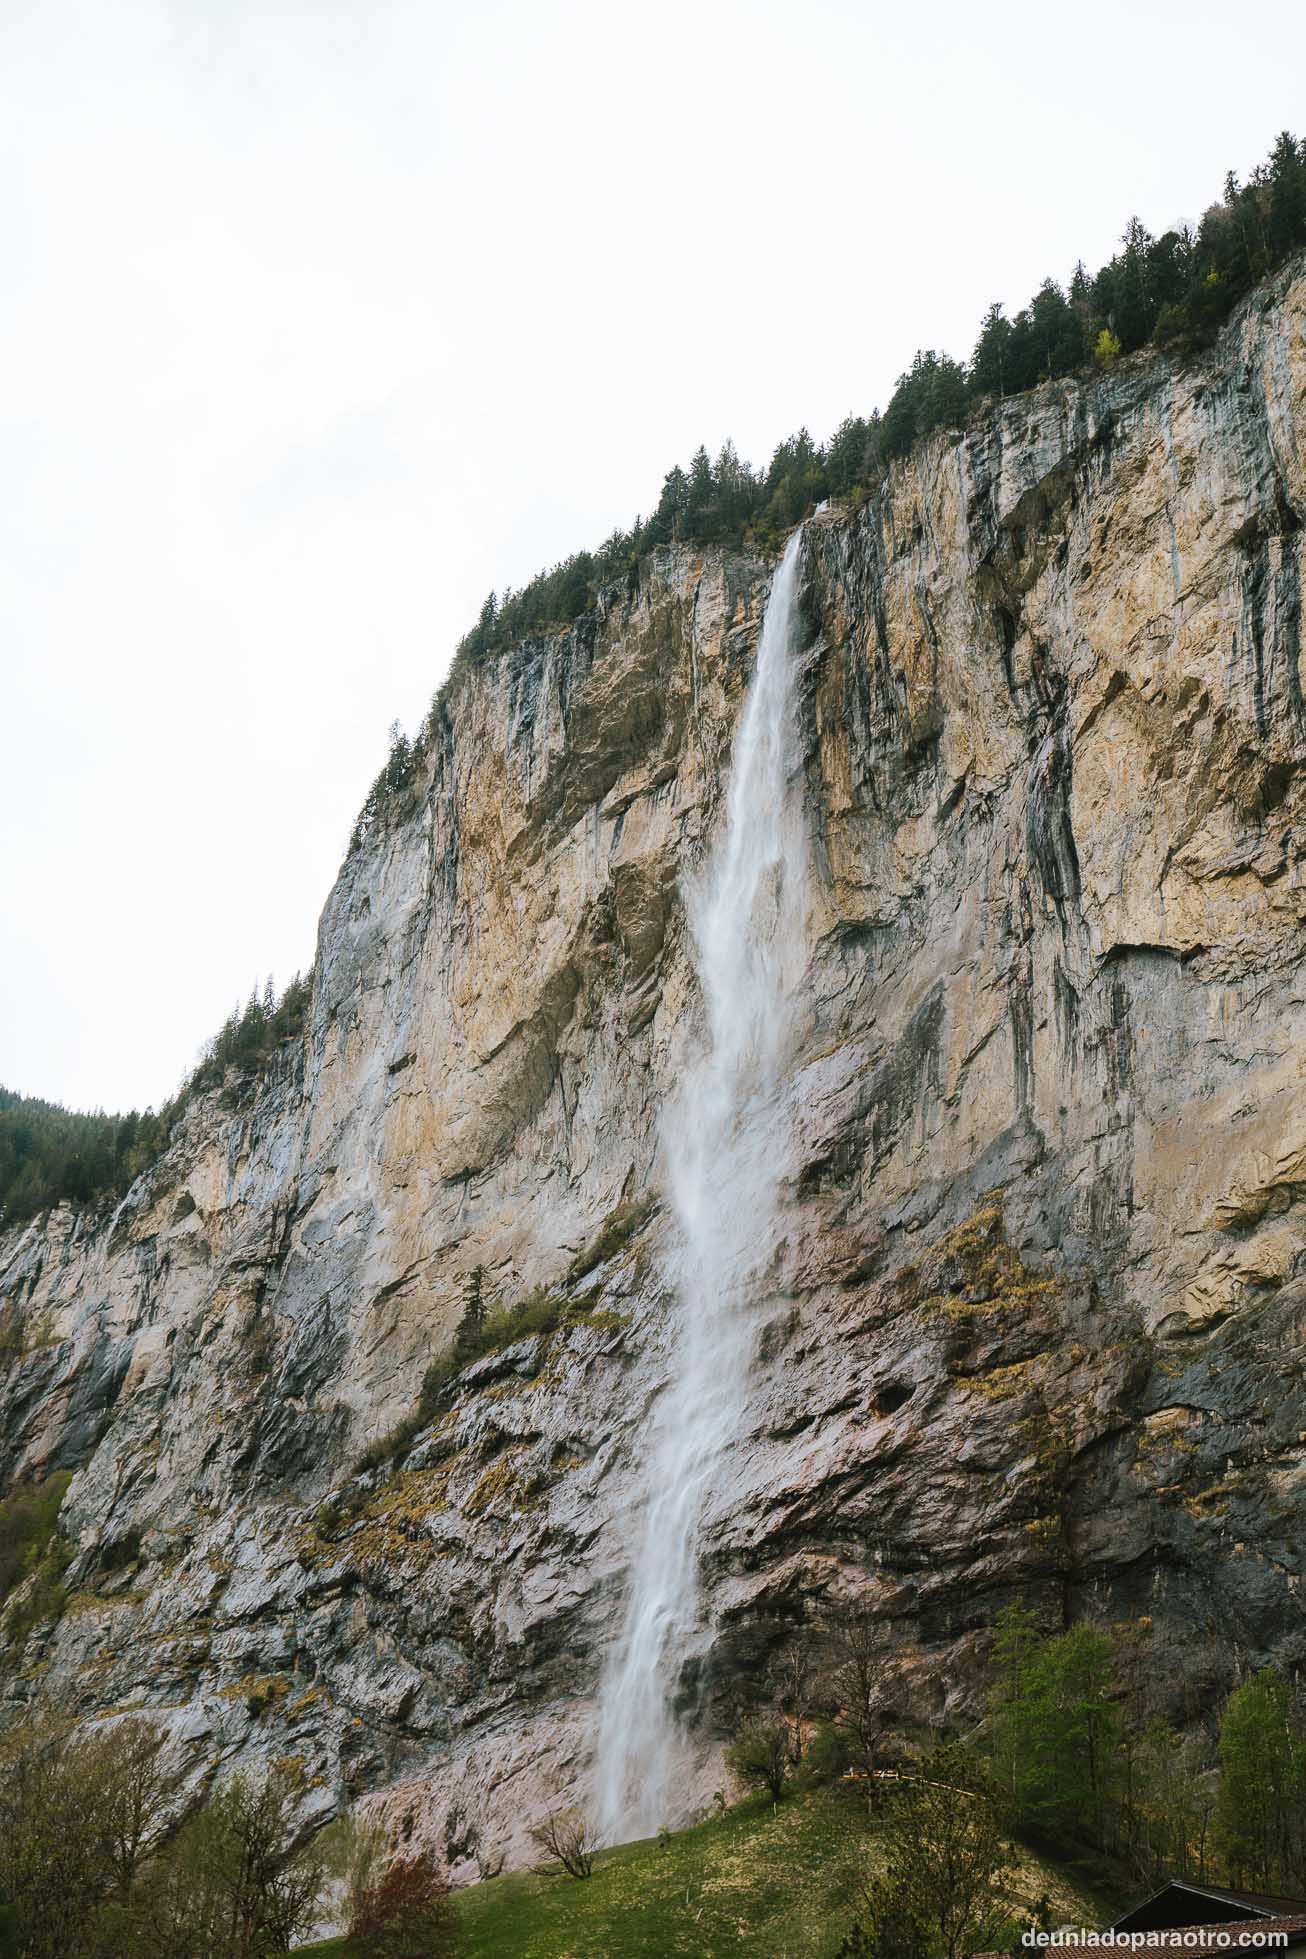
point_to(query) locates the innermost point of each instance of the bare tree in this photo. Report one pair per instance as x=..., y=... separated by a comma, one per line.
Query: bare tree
x=856, y=1682
x=795, y=1683
x=569, y=1841
x=79, y=1817
x=126, y=1760
x=1169, y=1798
x=406, y=1913
x=237, y=1883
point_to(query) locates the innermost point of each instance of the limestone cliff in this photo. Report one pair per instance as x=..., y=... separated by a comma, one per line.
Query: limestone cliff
x=1040, y=1320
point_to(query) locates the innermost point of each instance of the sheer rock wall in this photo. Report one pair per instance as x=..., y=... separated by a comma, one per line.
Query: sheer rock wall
x=1040, y=1321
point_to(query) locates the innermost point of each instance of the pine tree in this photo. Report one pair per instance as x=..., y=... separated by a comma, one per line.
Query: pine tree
x=1056, y=333
x=989, y=362
x=849, y=458
x=736, y=489
x=469, y=1339
x=1286, y=219
x=666, y=523
x=700, y=498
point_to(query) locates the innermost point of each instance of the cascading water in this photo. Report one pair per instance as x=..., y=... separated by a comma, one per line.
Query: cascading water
x=726, y=1142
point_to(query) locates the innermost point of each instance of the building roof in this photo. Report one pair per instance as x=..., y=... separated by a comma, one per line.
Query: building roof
x=1189, y=1903
x=1262, y=1901
x=1184, y=1902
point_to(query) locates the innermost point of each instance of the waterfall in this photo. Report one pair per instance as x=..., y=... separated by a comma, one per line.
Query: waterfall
x=726, y=1141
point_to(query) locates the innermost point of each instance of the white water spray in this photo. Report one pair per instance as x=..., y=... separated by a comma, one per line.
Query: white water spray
x=726, y=1141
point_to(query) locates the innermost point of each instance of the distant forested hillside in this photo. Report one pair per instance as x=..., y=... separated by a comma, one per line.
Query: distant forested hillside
x=49, y=1154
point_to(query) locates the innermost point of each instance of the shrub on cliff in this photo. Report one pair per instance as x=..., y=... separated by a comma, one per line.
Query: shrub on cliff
x=480, y=1332
x=28, y=1516
x=33, y=1556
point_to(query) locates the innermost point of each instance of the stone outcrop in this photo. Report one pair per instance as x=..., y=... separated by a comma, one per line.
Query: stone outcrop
x=1039, y=1325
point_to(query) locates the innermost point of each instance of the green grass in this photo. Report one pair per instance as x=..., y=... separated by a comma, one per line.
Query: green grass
x=757, y=1880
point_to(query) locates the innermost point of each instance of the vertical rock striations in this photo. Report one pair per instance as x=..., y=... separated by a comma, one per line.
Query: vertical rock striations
x=1045, y=1325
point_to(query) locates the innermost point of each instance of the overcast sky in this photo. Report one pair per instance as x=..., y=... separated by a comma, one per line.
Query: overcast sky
x=317, y=321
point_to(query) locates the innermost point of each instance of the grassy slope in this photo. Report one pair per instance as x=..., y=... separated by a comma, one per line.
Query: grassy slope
x=756, y=1880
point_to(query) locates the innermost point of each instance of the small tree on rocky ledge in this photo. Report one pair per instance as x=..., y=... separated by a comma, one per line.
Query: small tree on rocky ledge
x=570, y=1843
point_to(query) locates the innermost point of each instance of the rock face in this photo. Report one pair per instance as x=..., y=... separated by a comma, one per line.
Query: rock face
x=1039, y=1324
